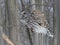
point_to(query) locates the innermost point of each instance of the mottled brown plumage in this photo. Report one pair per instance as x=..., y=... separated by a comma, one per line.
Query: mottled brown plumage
x=40, y=18
x=36, y=16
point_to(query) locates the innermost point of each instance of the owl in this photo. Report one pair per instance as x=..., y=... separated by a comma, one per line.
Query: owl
x=37, y=16
x=40, y=18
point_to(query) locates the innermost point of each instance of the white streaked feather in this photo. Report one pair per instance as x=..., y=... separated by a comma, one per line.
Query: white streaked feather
x=37, y=28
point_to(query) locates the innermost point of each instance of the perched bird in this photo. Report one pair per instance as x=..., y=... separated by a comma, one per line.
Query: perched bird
x=39, y=25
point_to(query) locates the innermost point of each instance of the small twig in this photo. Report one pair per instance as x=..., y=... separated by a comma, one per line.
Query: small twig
x=5, y=37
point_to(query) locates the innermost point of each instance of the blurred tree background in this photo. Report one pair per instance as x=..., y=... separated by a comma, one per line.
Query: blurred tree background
x=10, y=15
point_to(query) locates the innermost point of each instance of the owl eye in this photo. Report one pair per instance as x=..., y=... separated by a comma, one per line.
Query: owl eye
x=39, y=23
x=24, y=13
